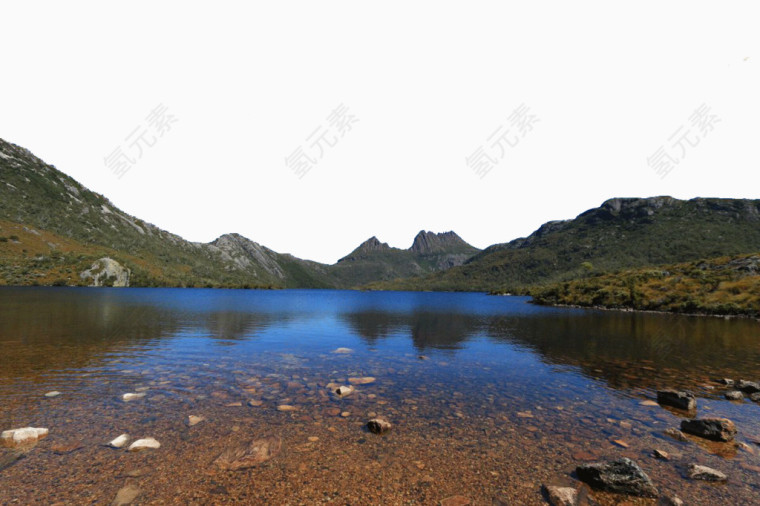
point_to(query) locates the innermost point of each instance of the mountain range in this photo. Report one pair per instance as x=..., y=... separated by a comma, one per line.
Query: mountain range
x=53, y=230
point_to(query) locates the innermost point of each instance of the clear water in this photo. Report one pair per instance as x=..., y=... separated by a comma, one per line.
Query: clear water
x=490, y=397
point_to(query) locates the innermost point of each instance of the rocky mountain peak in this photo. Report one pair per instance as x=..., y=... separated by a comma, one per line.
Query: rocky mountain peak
x=429, y=242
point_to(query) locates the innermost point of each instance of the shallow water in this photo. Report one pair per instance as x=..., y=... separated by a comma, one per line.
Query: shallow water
x=490, y=397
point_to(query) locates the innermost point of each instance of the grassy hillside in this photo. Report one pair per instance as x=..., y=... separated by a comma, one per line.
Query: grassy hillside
x=622, y=233
x=80, y=226
x=726, y=285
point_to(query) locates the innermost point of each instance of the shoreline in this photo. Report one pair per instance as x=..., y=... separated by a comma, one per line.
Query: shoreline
x=654, y=311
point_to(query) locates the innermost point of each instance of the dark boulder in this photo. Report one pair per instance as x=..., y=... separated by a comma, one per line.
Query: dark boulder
x=676, y=399
x=622, y=476
x=715, y=429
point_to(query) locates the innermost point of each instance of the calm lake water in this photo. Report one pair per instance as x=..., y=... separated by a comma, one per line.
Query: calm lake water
x=489, y=397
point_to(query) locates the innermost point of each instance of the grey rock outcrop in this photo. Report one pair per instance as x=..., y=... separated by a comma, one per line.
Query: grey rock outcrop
x=107, y=272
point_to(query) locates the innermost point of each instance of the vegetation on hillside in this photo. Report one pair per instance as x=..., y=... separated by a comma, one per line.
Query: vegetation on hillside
x=722, y=286
x=621, y=234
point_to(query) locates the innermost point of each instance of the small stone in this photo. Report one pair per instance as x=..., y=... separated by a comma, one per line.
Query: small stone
x=648, y=403
x=422, y=357
x=755, y=397
x=675, y=434
x=194, y=420
x=255, y=403
x=619, y=476
x=65, y=448
x=120, y=441
x=749, y=387
x=343, y=391
x=23, y=436
x=672, y=501
x=345, y=414
x=142, y=389
x=54, y=393
x=715, y=429
x=725, y=381
x=697, y=472
x=144, y=444
x=233, y=404
x=361, y=381
x=379, y=425
x=343, y=350
x=676, y=399
x=126, y=495
x=132, y=397
x=661, y=454
x=286, y=407
x=734, y=395
x=621, y=443
x=313, y=439
x=561, y=496
x=524, y=414
x=455, y=500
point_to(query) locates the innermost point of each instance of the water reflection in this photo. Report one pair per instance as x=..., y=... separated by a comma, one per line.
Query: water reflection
x=48, y=330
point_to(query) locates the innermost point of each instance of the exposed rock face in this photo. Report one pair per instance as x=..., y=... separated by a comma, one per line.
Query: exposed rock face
x=715, y=429
x=678, y=400
x=697, y=472
x=246, y=254
x=621, y=476
x=107, y=272
x=426, y=243
x=249, y=455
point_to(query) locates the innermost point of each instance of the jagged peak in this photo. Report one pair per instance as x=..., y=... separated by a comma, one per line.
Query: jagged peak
x=429, y=242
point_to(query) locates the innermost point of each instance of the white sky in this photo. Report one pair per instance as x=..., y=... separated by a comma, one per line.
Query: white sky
x=610, y=82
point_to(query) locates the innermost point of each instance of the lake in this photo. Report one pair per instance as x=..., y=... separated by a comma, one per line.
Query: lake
x=490, y=397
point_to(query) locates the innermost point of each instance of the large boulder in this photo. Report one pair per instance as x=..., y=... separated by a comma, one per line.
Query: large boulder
x=622, y=476
x=106, y=272
x=715, y=429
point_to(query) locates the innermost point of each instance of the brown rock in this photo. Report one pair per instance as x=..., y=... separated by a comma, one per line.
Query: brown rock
x=249, y=455
x=561, y=496
x=455, y=500
x=126, y=495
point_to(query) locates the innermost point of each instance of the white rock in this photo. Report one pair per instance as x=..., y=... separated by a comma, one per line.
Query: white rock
x=343, y=350
x=344, y=390
x=15, y=437
x=194, y=420
x=54, y=393
x=142, y=444
x=131, y=397
x=120, y=441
